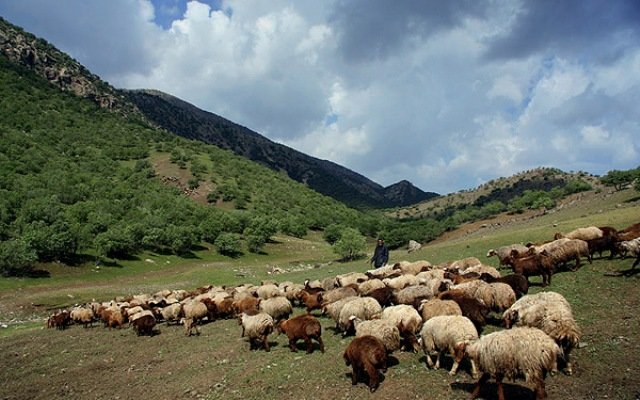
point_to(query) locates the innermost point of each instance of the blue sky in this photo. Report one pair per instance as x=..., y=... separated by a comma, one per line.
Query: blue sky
x=445, y=94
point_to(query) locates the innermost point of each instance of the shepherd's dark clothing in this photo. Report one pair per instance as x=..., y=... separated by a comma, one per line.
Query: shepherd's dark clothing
x=380, y=256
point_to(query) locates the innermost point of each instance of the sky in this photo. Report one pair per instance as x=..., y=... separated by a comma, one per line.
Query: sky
x=445, y=94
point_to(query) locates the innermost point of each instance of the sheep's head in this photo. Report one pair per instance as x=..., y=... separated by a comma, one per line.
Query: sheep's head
x=491, y=253
x=510, y=318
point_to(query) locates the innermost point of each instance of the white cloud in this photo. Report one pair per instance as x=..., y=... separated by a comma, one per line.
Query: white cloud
x=445, y=94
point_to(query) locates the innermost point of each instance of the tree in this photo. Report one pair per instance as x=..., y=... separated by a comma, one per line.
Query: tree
x=228, y=244
x=351, y=244
x=332, y=233
x=16, y=257
x=619, y=179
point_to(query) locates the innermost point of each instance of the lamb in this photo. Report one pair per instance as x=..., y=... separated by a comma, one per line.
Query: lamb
x=518, y=282
x=305, y=327
x=82, y=316
x=408, y=321
x=278, y=307
x=512, y=353
x=599, y=245
x=257, y=328
x=143, y=323
x=590, y=232
x=366, y=354
x=448, y=332
x=551, y=313
x=361, y=307
x=504, y=252
x=434, y=307
x=384, y=330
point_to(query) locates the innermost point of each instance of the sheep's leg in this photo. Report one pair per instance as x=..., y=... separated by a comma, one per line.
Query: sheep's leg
x=437, y=366
x=481, y=382
x=321, y=344
x=292, y=345
x=354, y=375
x=539, y=389
x=373, y=376
x=265, y=342
x=500, y=388
x=429, y=360
x=635, y=263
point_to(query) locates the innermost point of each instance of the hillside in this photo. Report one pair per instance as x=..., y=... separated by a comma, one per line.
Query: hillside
x=326, y=177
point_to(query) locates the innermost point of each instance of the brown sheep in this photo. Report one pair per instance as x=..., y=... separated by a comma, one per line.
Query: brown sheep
x=59, y=320
x=518, y=283
x=112, y=317
x=384, y=296
x=305, y=327
x=143, y=323
x=533, y=265
x=366, y=354
x=249, y=305
x=312, y=300
x=472, y=308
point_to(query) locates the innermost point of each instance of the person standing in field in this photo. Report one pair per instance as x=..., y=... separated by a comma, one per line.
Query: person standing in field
x=380, y=254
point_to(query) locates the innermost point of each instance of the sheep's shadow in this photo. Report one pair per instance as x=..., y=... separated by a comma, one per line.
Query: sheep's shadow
x=490, y=390
x=446, y=362
x=624, y=272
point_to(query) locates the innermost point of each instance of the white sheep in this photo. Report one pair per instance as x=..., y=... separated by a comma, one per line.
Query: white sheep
x=277, y=307
x=364, y=308
x=504, y=252
x=410, y=294
x=329, y=296
x=257, y=328
x=408, y=321
x=550, y=312
x=332, y=310
x=82, y=315
x=172, y=312
x=268, y=291
x=400, y=282
x=513, y=353
x=414, y=267
x=481, y=269
x=498, y=296
x=588, y=233
x=382, y=329
x=350, y=278
x=372, y=284
x=452, y=333
x=194, y=311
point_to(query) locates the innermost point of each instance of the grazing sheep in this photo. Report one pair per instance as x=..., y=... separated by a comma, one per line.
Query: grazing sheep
x=278, y=307
x=366, y=354
x=384, y=330
x=518, y=282
x=425, y=276
x=82, y=315
x=268, y=291
x=367, y=287
x=434, y=307
x=632, y=248
x=336, y=294
x=143, y=323
x=534, y=265
x=332, y=310
x=350, y=278
x=590, y=232
x=513, y=353
x=172, y=313
x=305, y=327
x=599, y=245
x=570, y=250
x=112, y=317
x=383, y=272
x=413, y=268
x=364, y=308
x=550, y=312
x=311, y=300
x=408, y=321
x=59, y=320
x=384, y=296
x=497, y=296
x=450, y=333
x=412, y=294
x=462, y=265
x=472, y=308
x=257, y=328
x=292, y=292
x=400, y=282
x=194, y=311
x=483, y=269
x=248, y=305
x=504, y=252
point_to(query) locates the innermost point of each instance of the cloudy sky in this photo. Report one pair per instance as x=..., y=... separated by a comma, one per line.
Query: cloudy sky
x=445, y=94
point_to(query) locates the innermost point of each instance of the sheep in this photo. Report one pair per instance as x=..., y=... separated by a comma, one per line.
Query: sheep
x=412, y=268
x=257, y=328
x=629, y=233
x=350, y=278
x=332, y=310
x=172, y=313
x=292, y=291
x=408, y=321
x=268, y=291
x=194, y=311
x=497, y=296
x=463, y=264
x=400, y=282
x=384, y=296
x=472, y=308
x=518, y=283
x=382, y=329
x=143, y=323
x=512, y=353
x=504, y=252
x=112, y=317
x=336, y=294
x=533, y=265
x=448, y=332
x=278, y=307
x=82, y=315
x=224, y=308
x=433, y=307
x=366, y=354
x=59, y=320
x=602, y=244
x=550, y=312
x=431, y=274
x=305, y=327
x=311, y=300
x=246, y=305
x=632, y=248
x=362, y=307
x=590, y=232
x=483, y=269
x=383, y=272
x=366, y=287
x=569, y=250
x=412, y=294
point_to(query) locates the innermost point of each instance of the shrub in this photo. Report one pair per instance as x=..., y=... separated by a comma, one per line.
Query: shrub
x=351, y=244
x=228, y=244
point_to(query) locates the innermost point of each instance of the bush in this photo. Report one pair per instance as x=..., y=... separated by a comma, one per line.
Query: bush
x=351, y=244
x=16, y=258
x=332, y=233
x=228, y=244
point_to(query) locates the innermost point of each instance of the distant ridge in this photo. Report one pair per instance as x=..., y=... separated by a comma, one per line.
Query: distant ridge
x=326, y=177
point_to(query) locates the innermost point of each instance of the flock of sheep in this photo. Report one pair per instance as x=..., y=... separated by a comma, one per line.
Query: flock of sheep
x=406, y=306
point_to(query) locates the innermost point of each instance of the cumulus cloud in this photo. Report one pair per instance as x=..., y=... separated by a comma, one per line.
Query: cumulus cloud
x=445, y=94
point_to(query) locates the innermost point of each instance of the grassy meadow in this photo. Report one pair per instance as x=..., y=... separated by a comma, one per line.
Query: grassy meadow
x=97, y=363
